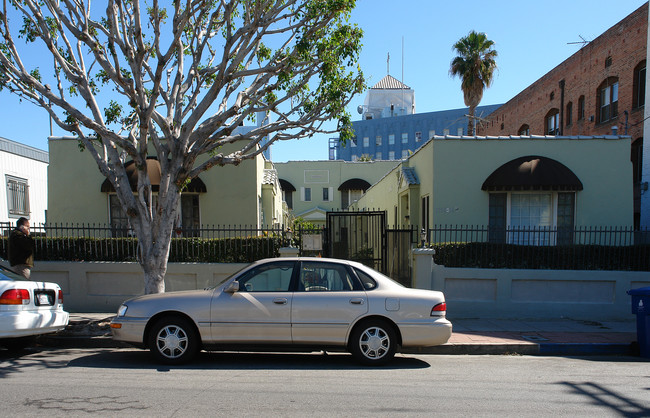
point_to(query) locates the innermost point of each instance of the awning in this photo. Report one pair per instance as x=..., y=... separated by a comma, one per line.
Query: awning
x=153, y=169
x=286, y=186
x=355, y=184
x=532, y=173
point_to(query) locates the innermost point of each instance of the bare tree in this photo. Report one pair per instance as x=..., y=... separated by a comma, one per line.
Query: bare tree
x=174, y=79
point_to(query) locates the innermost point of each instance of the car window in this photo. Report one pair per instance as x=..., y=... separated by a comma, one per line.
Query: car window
x=319, y=277
x=274, y=277
x=368, y=282
x=7, y=274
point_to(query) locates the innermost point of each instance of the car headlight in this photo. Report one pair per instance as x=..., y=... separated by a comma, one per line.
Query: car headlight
x=122, y=310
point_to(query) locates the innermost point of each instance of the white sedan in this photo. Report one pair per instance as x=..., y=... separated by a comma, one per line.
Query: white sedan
x=27, y=309
x=288, y=304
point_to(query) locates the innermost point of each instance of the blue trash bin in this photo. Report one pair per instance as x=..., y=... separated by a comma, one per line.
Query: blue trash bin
x=641, y=308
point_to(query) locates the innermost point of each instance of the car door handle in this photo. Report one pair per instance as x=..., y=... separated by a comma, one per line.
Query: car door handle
x=357, y=301
x=280, y=301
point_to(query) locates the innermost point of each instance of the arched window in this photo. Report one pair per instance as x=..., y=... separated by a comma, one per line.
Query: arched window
x=552, y=122
x=581, y=107
x=607, y=100
x=638, y=87
x=524, y=130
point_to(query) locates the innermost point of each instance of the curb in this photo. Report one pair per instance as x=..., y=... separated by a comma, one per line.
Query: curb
x=543, y=349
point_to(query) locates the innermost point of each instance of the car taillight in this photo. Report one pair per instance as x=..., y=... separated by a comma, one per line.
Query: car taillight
x=441, y=307
x=15, y=297
x=60, y=296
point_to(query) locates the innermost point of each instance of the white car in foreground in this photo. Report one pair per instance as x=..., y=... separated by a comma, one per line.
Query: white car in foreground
x=288, y=304
x=27, y=309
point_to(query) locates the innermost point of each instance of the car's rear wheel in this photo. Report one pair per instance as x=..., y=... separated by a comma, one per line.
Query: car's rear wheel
x=373, y=342
x=173, y=340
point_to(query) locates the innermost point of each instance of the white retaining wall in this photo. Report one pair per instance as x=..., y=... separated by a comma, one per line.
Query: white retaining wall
x=534, y=294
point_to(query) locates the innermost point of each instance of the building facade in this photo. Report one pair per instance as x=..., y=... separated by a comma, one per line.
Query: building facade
x=599, y=90
x=391, y=130
x=24, y=172
x=246, y=195
x=312, y=188
x=510, y=182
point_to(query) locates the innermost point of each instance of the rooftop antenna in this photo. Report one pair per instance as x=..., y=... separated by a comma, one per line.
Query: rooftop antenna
x=388, y=64
x=583, y=42
x=403, y=104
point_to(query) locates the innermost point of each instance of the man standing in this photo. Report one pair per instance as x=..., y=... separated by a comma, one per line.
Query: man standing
x=21, y=249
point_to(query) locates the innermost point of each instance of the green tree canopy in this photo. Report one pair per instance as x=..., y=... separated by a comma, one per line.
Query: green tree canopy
x=175, y=79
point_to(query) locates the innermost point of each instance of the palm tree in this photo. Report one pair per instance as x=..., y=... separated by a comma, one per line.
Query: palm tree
x=475, y=65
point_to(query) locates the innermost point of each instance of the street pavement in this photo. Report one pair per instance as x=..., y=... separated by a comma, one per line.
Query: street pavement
x=553, y=337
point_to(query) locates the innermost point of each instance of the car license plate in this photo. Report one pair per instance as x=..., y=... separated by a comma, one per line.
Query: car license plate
x=43, y=299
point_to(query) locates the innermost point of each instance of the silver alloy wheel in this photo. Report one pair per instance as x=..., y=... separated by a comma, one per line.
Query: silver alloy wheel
x=374, y=343
x=171, y=341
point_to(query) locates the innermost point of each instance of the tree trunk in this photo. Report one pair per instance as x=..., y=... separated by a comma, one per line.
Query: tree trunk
x=470, y=121
x=154, y=279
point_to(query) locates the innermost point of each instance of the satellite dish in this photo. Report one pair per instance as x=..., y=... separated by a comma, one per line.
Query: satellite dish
x=360, y=109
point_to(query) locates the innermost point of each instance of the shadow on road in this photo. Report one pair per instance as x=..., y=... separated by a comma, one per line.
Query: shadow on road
x=140, y=359
x=599, y=395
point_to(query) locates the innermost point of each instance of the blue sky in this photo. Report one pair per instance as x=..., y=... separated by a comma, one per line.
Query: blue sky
x=531, y=38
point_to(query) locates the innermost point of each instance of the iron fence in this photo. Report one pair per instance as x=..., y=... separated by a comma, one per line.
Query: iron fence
x=581, y=248
x=93, y=242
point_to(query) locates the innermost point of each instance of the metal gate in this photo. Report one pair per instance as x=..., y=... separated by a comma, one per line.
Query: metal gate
x=398, y=257
x=358, y=236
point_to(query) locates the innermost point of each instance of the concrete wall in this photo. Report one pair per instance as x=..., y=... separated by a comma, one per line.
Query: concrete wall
x=492, y=293
x=470, y=293
x=103, y=286
x=529, y=294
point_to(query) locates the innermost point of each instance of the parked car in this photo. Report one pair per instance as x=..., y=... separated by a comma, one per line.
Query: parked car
x=293, y=304
x=28, y=309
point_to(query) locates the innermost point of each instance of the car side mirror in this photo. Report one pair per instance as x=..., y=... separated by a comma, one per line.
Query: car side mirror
x=232, y=287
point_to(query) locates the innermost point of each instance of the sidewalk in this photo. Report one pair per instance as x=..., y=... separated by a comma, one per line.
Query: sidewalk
x=470, y=336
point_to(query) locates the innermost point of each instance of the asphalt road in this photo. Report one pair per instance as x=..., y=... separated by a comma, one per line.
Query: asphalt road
x=80, y=382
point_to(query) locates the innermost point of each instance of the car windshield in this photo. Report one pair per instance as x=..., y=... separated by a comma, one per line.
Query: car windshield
x=10, y=275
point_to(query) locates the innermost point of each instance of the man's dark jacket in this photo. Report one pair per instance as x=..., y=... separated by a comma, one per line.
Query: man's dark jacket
x=21, y=248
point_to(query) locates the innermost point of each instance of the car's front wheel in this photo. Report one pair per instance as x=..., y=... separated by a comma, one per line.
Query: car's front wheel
x=173, y=340
x=373, y=342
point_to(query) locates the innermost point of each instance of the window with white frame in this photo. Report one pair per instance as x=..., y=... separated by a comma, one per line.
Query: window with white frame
x=17, y=196
x=391, y=155
x=405, y=153
x=348, y=197
x=305, y=194
x=459, y=131
x=532, y=218
x=366, y=141
x=378, y=155
x=552, y=122
x=353, y=142
x=608, y=100
x=445, y=131
x=418, y=136
x=432, y=133
x=405, y=138
x=378, y=140
x=391, y=139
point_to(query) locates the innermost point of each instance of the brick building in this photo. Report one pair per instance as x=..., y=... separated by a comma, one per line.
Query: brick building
x=599, y=90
